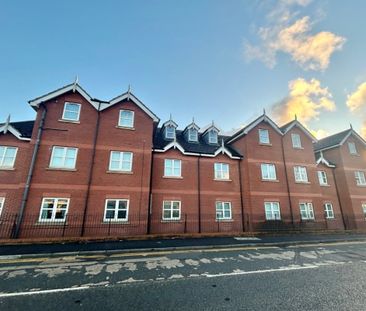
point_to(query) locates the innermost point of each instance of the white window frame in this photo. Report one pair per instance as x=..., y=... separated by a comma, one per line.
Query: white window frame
x=264, y=139
x=306, y=211
x=175, y=164
x=352, y=150
x=120, y=161
x=328, y=210
x=192, y=134
x=323, y=179
x=272, y=210
x=78, y=113
x=54, y=210
x=360, y=178
x=363, y=205
x=64, y=157
x=170, y=132
x=171, y=209
x=116, y=209
x=222, y=207
x=271, y=171
x=2, y=157
x=220, y=171
x=2, y=204
x=120, y=119
x=212, y=137
x=296, y=141
x=301, y=174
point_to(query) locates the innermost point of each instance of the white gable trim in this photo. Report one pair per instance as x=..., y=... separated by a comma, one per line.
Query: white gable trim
x=324, y=161
x=14, y=131
x=304, y=129
x=352, y=132
x=133, y=98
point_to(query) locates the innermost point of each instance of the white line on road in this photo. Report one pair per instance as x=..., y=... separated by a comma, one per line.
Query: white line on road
x=46, y=291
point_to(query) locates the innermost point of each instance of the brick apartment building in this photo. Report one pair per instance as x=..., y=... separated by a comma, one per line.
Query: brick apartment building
x=87, y=167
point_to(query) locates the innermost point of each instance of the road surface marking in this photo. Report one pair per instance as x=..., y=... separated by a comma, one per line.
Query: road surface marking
x=41, y=292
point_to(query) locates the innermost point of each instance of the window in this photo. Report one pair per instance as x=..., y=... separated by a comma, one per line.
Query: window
x=71, y=112
x=306, y=211
x=223, y=210
x=328, y=211
x=322, y=176
x=268, y=171
x=120, y=161
x=300, y=174
x=272, y=210
x=352, y=148
x=172, y=168
x=171, y=210
x=7, y=156
x=360, y=178
x=296, y=140
x=170, y=132
x=2, y=201
x=116, y=210
x=221, y=171
x=126, y=118
x=263, y=136
x=63, y=157
x=212, y=137
x=364, y=210
x=192, y=134
x=54, y=209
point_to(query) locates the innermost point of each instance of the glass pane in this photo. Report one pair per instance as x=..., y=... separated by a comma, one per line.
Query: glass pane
x=46, y=214
x=48, y=203
x=175, y=213
x=175, y=205
x=127, y=156
x=115, y=155
x=69, y=163
x=166, y=214
x=58, y=152
x=115, y=165
x=122, y=205
x=71, y=153
x=111, y=204
x=227, y=213
x=122, y=214
x=109, y=214
x=60, y=214
x=70, y=115
x=126, y=166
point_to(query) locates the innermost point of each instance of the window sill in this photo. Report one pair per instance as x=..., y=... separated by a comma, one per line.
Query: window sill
x=361, y=185
x=330, y=218
x=171, y=220
x=119, y=172
x=265, y=144
x=355, y=154
x=7, y=169
x=125, y=128
x=173, y=177
x=303, y=182
x=298, y=148
x=69, y=121
x=270, y=180
x=221, y=179
x=61, y=169
x=224, y=220
x=51, y=222
x=324, y=185
x=308, y=220
x=107, y=222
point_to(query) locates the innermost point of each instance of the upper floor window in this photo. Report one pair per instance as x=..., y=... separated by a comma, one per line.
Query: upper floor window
x=300, y=174
x=268, y=171
x=360, y=178
x=126, y=118
x=352, y=148
x=364, y=210
x=63, y=157
x=116, y=210
x=263, y=136
x=328, y=211
x=322, y=176
x=223, y=210
x=2, y=201
x=306, y=211
x=221, y=171
x=171, y=210
x=192, y=134
x=172, y=168
x=120, y=161
x=272, y=210
x=7, y=156
x=54, y=209
x=170, y=132
x=212, y=137
x=71, y=112
x=296, y=140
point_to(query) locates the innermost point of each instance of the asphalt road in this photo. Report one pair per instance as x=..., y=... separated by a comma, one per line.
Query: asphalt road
x=309, y=277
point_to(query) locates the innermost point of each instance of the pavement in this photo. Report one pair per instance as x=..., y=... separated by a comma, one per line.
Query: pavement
x=86, y=247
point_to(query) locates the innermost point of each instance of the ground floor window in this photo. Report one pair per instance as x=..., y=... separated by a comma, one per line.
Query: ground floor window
x=364, y=210
x=328, y=211
x=223, y=210
x=116, y=210
x=272, y=210
x=306, y=211
x=54, y=209
x=2, y=201
x=171, y=210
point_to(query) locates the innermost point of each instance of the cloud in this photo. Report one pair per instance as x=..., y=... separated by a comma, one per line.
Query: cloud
x=357, y=99
x=306, y=100
x=363, y=130
x=319, y=134
x=291, y=35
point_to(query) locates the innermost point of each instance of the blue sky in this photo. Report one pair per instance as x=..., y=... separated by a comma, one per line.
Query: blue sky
x=191, y=58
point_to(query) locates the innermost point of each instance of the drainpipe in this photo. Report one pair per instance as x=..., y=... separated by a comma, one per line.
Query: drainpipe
x=339, y=199
x=30, y=171
x=199, y=191
x=149, y=207
x=241, y=197
x=91, y=168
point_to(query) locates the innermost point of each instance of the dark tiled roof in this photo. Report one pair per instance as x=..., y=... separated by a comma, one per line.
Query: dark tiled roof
x=285, y=126
x=25, y=128
x=332, y=140
x=200, y=147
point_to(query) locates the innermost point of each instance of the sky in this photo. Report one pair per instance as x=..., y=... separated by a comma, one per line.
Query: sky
x=221, y=61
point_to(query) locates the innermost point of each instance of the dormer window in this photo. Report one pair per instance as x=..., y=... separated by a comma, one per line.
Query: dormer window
x=71, y=112
x=170, y=132
x=126, y=118
x=263, y=136
x=212, y=137
x=192, y=134
x=352, y=148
